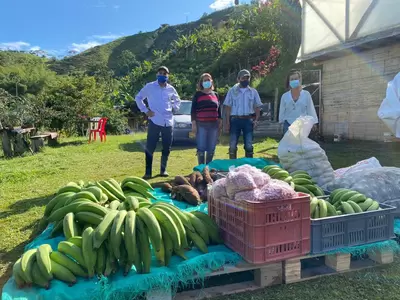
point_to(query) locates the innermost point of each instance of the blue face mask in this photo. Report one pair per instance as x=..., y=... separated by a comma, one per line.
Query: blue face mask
x=162, y=78
x=294, y=83
x=245, y=83
x=207, y=84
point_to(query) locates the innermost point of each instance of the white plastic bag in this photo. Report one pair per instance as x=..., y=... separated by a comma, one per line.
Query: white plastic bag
x=370, y=163
x=381, y=184
x=298, y=152
x=389, y=111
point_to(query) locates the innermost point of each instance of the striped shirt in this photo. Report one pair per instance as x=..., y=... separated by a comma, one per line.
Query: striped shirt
x=243, y=101
x=205, y=107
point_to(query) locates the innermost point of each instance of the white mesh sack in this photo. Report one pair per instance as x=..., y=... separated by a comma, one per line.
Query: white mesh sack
x=298, y=152
x=381, y=184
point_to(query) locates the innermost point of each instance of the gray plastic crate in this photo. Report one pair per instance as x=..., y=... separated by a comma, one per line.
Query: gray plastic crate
x=331, y=233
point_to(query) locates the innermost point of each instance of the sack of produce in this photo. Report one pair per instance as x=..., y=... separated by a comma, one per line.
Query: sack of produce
x=252, y=195
x=365, y=164
x=298, y=152
x=260, y=178
x=380, y=184
x=276, y=190
x=219, y=189
x=238, y=182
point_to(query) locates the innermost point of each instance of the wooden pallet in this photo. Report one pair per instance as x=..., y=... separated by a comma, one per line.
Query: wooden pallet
x=302, y=268
x=264, y=275
x=289, y=271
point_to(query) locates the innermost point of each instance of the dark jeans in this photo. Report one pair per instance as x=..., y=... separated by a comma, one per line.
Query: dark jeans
x=153, y=135
x=286, y=126
x=237, y=127
x=207, y=136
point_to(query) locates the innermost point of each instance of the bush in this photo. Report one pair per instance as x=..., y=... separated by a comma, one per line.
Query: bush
x=117, y=121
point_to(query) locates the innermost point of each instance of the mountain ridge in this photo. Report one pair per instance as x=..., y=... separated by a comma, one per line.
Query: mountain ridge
x=141, y=44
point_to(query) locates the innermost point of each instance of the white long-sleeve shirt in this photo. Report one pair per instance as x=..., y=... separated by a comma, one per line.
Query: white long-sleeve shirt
x=163, y=101
x=290, y=110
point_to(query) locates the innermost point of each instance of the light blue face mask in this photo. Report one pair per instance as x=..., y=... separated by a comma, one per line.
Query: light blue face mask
x=207, y=84
x=294, y=83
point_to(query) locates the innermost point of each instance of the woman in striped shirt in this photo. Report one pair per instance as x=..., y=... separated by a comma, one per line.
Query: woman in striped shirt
x=206, y=119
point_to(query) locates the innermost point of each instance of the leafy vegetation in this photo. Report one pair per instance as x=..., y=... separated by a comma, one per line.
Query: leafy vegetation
x=58, y=94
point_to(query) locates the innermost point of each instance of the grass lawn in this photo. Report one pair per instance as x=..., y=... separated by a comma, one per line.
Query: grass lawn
x=27, y=182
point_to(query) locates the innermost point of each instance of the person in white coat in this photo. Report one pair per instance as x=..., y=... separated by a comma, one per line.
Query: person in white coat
x=296, y=102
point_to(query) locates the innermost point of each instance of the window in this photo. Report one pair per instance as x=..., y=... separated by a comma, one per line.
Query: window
x=185, y=109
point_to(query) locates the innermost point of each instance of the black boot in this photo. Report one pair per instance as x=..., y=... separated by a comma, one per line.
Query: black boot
x=209, y=157
x=163, y=171
x=201, y=158
x=249, y=154
x=233, y=155
x=149, y=166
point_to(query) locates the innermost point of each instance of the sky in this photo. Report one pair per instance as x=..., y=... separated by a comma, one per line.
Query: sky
x=72, y=26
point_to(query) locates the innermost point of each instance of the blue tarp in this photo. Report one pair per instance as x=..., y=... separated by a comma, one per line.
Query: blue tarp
x=223, y=165
x=118, y=287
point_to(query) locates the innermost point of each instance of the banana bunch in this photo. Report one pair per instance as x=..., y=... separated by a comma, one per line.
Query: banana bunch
x=280, y=174
x=160, y=229
x=320, y=208
x=86, y=204
x=301, y=181
x=349, y=202
x=39, y=266
x=136, y=186
x=101, y=240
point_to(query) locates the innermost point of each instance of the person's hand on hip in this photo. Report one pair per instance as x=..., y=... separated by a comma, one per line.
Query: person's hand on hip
x=150, y=114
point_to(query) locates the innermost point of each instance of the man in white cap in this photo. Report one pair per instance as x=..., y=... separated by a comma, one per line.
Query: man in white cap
x=162, y=100
x=243, y=105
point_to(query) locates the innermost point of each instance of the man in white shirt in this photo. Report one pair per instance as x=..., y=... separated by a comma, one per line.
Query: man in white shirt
x=162, y=100
x=296, y=102
x=243, y=105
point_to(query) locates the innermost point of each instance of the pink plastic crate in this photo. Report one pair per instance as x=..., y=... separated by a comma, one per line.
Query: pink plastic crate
x=264, y=232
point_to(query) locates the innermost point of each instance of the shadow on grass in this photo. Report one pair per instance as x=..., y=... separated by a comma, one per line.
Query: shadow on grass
x=24, y=205
x=140, y=145
x=10, y=257
x=70, y=143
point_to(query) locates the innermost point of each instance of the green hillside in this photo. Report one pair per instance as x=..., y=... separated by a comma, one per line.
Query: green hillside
x=220, y=43
x=141, y=45
x=58, y=94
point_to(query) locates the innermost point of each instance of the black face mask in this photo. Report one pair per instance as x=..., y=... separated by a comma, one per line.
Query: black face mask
x=245, y=83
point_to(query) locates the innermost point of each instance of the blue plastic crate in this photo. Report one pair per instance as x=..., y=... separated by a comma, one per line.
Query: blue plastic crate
x=336, y=232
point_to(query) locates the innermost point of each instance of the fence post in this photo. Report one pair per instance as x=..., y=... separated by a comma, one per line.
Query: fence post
x=276, y=105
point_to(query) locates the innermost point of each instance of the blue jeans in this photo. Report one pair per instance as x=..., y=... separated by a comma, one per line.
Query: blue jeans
x=237, y=127
x=153, y=135
x=286, y=126
x=207, y=136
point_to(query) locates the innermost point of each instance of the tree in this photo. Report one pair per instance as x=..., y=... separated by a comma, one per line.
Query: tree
x=126, y=62
x=69, y=99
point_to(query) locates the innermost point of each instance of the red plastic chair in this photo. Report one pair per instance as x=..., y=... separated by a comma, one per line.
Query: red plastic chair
x=101, y=130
